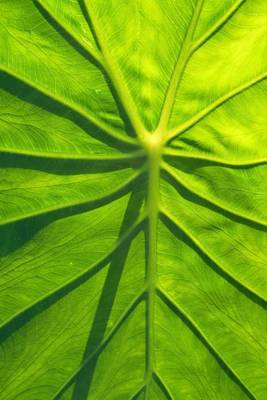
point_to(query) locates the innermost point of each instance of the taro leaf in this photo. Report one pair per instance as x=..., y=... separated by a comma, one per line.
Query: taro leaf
x=133, y=199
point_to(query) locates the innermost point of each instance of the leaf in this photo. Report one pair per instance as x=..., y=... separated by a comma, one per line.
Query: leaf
x=133, y=199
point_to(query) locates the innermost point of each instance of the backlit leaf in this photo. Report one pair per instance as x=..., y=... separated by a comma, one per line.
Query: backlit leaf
x=133, y=199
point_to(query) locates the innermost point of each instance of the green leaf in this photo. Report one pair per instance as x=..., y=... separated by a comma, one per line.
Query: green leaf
x=133, y=188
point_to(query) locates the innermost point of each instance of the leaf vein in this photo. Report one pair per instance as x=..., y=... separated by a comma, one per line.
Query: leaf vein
x=180, y=129
x=193, y=326
x=247, y=289
x=210, y=200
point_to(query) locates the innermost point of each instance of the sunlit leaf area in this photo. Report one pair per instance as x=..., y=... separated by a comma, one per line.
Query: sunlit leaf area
x=133, y=199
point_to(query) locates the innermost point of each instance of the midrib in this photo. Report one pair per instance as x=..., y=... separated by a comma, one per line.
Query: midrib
x=152, y=143
x=154, y=159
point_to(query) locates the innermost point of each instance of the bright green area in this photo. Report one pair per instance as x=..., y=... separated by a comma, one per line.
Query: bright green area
x=133, y=199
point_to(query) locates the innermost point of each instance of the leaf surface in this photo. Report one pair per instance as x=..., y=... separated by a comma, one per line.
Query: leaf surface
x=133, y=199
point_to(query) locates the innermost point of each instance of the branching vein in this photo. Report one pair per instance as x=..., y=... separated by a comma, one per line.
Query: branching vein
x=177, y=131
x=116, y=78
x=179, y=69
x=204, y=251
x=84, y=202
x=71, y=106
x=210, y=200
x=129, y=310
x=213, y=351
x=228, y=163
x=52, y=297
x=89, y=49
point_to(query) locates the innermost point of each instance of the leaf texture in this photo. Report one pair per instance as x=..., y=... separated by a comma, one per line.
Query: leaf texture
x=133, y=189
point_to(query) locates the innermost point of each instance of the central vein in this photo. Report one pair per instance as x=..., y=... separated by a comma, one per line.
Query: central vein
x=154, y=149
